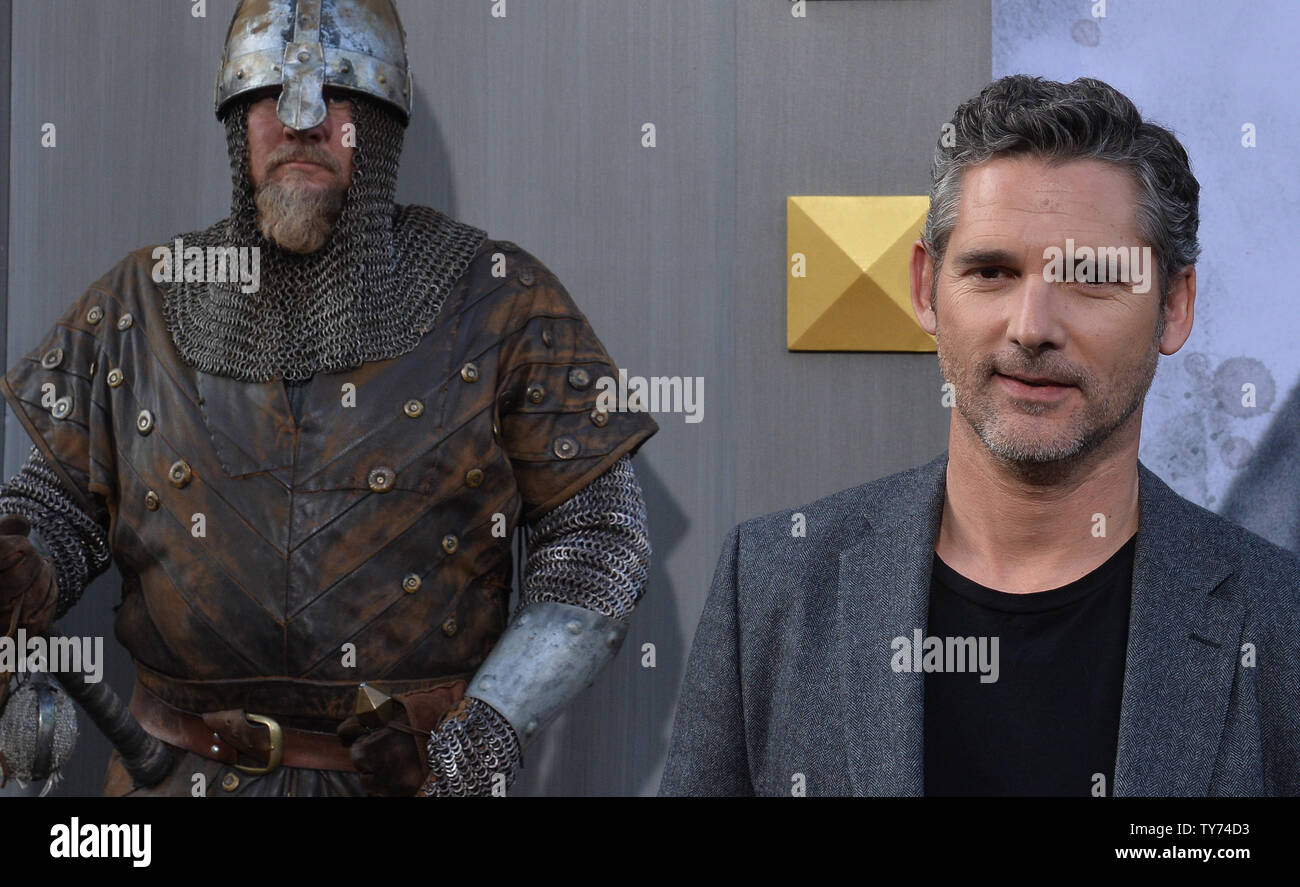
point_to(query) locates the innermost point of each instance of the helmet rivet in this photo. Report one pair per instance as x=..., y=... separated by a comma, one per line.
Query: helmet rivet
x=304, y=56
x=383, y=79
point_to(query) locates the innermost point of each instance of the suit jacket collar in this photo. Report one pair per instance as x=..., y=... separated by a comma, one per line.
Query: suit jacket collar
x=1182, y=651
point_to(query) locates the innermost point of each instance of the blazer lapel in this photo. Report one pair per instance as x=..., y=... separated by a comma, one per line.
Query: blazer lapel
x=1183, y=643
x=1183, y=649
x=884, y=593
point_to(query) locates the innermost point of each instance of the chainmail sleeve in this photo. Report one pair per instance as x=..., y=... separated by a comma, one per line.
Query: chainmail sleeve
x=75, y=541
x=592, y=551
x=473, y=750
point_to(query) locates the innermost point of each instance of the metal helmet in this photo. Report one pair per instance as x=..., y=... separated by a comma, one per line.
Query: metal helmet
x=305, y=45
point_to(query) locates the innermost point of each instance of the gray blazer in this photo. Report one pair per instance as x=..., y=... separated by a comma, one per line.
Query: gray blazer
x=790, y=675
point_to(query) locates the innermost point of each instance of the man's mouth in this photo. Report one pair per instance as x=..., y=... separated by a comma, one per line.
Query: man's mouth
x=1036, y=381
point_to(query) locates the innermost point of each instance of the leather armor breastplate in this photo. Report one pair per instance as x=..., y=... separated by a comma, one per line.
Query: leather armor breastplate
x=371, y=540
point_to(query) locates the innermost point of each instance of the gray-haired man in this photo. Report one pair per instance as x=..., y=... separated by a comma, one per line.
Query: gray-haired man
x=1033, y=612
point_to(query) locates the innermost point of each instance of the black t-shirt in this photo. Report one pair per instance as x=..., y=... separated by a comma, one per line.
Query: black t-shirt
x=1051, y=719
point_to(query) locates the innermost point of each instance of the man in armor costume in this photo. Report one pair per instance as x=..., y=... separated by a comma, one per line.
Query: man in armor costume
x=315, y=484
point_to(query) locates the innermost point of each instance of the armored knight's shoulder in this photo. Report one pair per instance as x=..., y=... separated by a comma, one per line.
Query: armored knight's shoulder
x=125, y=288
x=518, y=283
x=61, y=391
x=120, y=317
x=527, y=269
x=128, y=287
x=137, y=270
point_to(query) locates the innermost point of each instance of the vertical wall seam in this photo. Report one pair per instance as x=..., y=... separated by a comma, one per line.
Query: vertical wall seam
x=6, y=109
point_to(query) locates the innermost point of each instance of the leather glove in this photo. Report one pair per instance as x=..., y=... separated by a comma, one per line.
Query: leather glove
x=28, y=590
x=393, y=761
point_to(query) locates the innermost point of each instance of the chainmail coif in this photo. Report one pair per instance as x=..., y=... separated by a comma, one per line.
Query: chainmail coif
x=370, y=293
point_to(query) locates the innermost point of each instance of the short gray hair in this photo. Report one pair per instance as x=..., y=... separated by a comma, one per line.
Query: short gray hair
x=1083, y=120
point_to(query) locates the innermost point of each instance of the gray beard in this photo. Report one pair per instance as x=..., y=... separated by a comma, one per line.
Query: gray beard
x=298, y=218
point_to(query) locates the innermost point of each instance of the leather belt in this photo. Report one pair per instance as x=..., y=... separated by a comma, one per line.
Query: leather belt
x=224, y=735
x=305, y=704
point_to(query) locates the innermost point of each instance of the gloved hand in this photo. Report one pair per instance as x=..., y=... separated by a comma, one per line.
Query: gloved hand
x=393, y=761
x=28, y=590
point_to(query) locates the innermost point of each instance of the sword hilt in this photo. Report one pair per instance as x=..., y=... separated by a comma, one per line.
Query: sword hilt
x=146, y=758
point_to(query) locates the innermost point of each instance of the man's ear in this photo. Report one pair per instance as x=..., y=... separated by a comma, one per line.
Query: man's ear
x=1179, y=310
x=921, y=280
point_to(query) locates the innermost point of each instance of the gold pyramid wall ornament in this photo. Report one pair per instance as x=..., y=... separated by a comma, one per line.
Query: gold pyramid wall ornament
x=854, y=292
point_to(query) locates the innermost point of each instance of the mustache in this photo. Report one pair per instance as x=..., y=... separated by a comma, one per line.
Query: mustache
x=305, y=154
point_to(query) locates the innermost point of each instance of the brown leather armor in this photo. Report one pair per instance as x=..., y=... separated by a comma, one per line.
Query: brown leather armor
x=370, y=522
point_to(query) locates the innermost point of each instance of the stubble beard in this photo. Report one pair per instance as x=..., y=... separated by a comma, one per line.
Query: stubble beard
x=1047, y=458
x=296, y=216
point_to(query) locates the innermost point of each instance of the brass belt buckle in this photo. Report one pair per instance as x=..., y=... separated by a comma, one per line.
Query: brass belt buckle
x=275, y=753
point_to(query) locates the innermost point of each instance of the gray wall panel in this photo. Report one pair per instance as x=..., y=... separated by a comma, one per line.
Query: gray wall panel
x=846, y=101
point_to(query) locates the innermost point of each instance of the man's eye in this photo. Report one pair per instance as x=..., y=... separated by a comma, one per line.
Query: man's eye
x=984, y=272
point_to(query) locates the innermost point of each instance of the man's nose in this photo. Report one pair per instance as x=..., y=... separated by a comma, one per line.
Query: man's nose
x=1035, y=320
x=314, y=135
